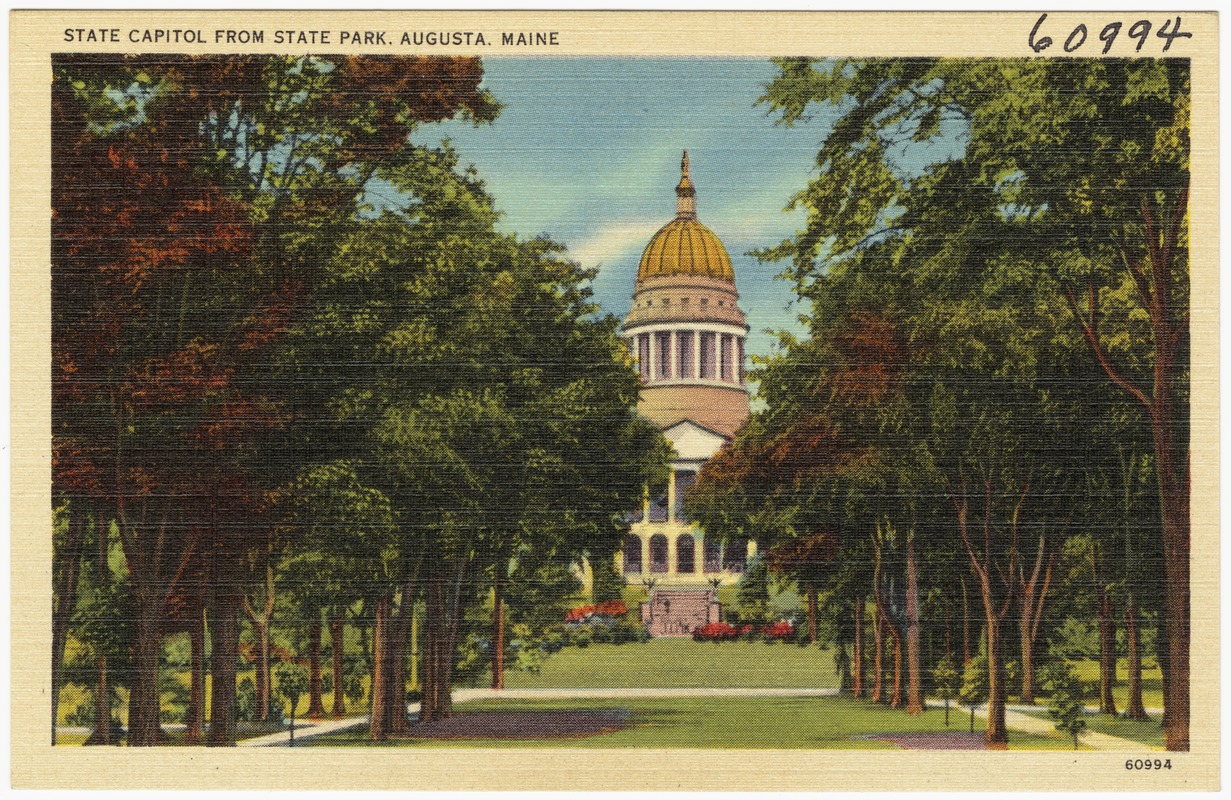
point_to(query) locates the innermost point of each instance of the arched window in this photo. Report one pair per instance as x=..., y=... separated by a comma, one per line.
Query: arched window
x=685, y=553
x=658, y=553
x=632, y=554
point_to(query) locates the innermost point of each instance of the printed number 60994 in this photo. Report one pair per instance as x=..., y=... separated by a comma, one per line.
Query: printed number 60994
x=1147, y=763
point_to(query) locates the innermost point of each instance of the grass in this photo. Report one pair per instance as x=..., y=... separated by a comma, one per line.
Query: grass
x=1151, y=682
x=1148, y=732
x=1143, y=731
x=736, y=723
x=676, y=662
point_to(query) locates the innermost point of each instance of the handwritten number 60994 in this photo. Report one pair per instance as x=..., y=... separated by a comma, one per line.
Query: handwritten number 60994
x=1140, y=30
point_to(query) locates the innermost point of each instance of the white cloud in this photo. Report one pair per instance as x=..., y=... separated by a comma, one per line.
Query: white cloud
x=614, y=241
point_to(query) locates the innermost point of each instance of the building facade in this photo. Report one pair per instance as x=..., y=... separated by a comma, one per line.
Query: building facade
x=687, y=333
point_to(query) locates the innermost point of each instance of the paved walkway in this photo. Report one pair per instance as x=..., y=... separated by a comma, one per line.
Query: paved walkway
x=1015, y=719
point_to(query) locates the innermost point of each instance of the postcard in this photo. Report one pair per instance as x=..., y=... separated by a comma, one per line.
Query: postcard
x=615, y=400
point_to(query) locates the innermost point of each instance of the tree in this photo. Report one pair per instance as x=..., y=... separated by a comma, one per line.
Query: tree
x=292, y=683
x=1067, y=703
x=193, y=184
x=975, y=687
x=807, y=560
x=947, y=681
x=953, y=158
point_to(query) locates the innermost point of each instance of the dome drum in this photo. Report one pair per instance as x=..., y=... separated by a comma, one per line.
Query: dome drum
x=684, y=298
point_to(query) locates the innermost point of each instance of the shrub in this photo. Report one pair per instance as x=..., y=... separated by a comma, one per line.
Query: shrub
x=1067, y=704
x=947, y=682
x=245, y=700
x=974, y=686
x=83, y=715
x=715, y=632
x=291, y=682
x=583, y=637
x=778, y=632
x=629, y=631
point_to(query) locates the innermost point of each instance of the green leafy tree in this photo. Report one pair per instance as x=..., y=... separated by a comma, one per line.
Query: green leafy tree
x=1067, y=703
x=935, y=167
x=975, y=689
x=947, y=682
x=292, y=682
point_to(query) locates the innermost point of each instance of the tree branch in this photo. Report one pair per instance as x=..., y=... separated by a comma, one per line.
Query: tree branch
x=1096, y=346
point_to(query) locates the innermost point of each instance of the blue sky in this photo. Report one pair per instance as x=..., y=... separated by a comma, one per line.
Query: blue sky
x=587, y=150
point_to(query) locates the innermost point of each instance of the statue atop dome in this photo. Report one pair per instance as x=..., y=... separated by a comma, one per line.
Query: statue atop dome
x=684, y=246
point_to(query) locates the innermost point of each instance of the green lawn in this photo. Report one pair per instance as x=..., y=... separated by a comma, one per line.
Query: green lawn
x=1147, y=732
x=738, y=723
x=672, y=662
x=1151, y=682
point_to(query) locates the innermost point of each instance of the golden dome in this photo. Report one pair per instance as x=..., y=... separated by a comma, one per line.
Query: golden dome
x=684, y=246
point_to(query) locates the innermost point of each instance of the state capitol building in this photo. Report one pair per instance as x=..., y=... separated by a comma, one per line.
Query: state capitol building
x=687, y=333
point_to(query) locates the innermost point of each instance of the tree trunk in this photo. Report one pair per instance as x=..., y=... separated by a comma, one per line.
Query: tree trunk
x=316, y=706
x=812, y=613
x=497, y=631
x=264, y=696
x=395, y=687
x=261, y=624
x=196, y=681
x=997, y=733
x=1173, y=491
x=224, y=649
x=965, y=627
x=857, y=688
x=101, y=734
x=1136, y=708
x=1032, y=595
x=378, y=726
x=915, y=702
x=1170, y=433
x=442, y=617
x=427, y=703
x=143, y=700
x=895, y=639
x=1027, y=643
x=66, y=600
x=878, y=639
x=335, y=638
x=1107, y=652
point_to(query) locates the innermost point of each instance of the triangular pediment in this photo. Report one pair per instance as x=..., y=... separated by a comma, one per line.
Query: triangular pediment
x=693, y=441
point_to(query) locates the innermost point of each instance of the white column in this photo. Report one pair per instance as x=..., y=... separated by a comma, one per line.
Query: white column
x=696, y=354
x=645, y=554
x=671, y=554
x=653, y=356
x=671, y=496
x=675, y=353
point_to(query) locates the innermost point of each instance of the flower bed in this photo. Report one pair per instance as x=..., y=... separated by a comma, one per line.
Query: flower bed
x=722, y=632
